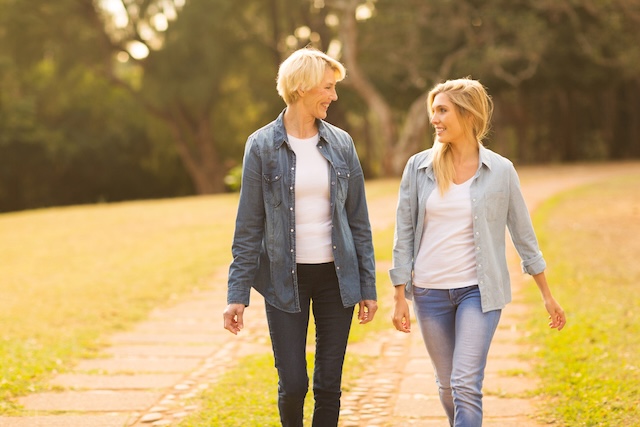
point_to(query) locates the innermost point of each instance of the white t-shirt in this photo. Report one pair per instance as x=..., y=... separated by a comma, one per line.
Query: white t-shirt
x=446, y=258
x=312, y=206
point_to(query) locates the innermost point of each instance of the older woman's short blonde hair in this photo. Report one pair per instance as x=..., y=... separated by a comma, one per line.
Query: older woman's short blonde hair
x=304, y=69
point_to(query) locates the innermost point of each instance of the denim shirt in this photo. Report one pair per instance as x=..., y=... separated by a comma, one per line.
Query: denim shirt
x=496, y=203
x=264, y=252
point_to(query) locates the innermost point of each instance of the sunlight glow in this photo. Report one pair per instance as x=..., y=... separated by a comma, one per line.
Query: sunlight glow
x=116, y=9
x=335, y=48
x=160, y=22
x=364, y=12
x=138, y=50
x=302, y=32
x=122, y=56
x=331, y=20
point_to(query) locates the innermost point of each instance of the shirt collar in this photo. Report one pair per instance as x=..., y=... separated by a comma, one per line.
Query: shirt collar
x=280, y=133
x=427, y=162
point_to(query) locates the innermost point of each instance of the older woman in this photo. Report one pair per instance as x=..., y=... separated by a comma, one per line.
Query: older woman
x=303, y=235
x=454, y=203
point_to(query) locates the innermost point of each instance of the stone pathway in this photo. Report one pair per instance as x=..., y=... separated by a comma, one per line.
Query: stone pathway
x=150, y=373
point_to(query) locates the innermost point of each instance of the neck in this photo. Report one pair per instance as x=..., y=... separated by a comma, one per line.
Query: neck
x=468, y=152
x=299, y=124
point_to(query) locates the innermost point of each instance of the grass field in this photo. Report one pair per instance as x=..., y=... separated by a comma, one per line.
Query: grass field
x=71, y=276
x=591, y=370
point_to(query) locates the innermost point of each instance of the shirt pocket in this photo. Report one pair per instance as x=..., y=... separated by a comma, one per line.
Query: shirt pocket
x=272, y=186
x=342, y=178
x=496, y=206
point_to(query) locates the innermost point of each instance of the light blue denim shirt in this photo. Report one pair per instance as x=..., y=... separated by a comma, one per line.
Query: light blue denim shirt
x=496, y=203
x=264, y=252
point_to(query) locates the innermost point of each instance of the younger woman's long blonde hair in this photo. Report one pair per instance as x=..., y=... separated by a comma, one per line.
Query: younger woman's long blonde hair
x=474, y=107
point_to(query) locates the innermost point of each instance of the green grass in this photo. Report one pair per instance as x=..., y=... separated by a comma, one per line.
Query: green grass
x=591, y=370
x=70, y=276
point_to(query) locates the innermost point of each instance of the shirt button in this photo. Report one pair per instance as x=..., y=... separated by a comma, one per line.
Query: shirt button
x=334, y=247
x=477, y=233
x=292, y=230
x=293, y=272
x=475, y=217
x=478, y=248
x=290, y=209
x=337, y=268
x=333, y=183
x=291, y=188
x=293, y=169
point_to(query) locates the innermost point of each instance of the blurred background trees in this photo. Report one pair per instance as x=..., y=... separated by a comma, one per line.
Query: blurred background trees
x=106, y=100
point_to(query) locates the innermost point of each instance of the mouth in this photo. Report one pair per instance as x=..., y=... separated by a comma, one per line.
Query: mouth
x=439, y=130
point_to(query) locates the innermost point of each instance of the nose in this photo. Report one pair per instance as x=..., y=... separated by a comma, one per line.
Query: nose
x=434, y=119
x=334, y=94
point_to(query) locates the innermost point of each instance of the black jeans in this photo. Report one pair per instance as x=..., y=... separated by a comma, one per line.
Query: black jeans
x=318, y=288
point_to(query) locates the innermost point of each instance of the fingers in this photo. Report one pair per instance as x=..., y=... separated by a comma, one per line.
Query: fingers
x=232, y=316
x=402, y=322
x=558, y=320
x=401, y=318
x=367, y=310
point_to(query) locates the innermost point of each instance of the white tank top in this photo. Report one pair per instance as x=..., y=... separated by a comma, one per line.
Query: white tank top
x=446, y=258
x=312, y=206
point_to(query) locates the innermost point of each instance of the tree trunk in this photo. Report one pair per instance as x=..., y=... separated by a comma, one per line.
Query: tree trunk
x=413, y=133
x=360, y=83
x=199, y=156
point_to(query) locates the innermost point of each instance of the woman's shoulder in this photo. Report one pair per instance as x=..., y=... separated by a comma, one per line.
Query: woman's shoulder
x=333, y=134
x=421, y=157
x=494, y=159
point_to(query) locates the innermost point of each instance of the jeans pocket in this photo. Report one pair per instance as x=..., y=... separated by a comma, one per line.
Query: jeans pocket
x=420, y=292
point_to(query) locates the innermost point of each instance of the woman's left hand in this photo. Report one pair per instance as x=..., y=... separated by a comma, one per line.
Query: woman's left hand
x=557, y=318
x=366, y=310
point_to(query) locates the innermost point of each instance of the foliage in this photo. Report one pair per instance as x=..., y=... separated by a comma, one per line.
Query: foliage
x=90, y=118
x=591, y=370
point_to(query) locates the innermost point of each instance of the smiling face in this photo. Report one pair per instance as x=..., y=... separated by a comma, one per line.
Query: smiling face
x=316, y=101
x=446, y=120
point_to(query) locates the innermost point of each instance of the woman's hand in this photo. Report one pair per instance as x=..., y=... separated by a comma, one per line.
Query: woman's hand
x=366, y=310
x=557, y=318
x=232, y=316
x=401, y=318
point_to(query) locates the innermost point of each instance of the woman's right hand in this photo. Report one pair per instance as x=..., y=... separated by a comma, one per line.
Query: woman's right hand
x=233, y=318
x=401, y=317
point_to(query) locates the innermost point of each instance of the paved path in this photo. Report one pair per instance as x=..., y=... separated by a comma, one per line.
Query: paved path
x=150, y=372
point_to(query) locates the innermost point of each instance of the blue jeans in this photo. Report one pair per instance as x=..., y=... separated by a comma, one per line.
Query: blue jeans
x=317, y=283
x=457, y=335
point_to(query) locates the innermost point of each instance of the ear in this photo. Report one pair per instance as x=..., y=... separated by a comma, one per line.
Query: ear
x=301, y=92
